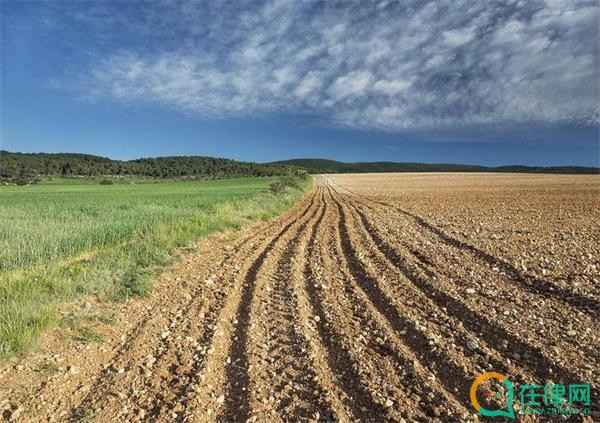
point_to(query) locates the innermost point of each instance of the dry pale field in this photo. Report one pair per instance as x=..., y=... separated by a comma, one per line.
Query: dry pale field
x=378, y=298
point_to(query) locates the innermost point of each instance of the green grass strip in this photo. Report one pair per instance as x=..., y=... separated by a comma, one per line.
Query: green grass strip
x=61, y=242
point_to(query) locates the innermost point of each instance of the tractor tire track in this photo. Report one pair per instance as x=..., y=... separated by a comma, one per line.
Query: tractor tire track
x=407, y=382
x=498, y=336
x=453, y=377
x=165, y=369
x=531, y=283
x=280, y=372
x=312, y=323
x=221, y=385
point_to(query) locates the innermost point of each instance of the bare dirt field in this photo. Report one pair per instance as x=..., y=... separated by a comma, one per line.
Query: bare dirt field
x=378, y=298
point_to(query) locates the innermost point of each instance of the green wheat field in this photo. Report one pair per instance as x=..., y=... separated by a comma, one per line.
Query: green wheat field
x=66, y=238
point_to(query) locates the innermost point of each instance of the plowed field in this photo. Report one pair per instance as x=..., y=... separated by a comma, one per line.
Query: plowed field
x=378, y=298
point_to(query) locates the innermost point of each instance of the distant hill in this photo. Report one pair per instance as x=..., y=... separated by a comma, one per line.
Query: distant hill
x=30, y=165
x=332, y=166
x=26, y=166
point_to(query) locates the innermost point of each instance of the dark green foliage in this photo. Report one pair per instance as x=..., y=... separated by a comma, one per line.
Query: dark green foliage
x=106, y=182
x=88, y=335
x=332, y=166
x=27, y=166
x=290, y=181
x=134, y=282
x=66, y=170
x=302, y=174
x=285, y=182
x=25, y=180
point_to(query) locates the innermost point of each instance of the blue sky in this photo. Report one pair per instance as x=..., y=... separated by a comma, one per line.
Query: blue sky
x=498, y=82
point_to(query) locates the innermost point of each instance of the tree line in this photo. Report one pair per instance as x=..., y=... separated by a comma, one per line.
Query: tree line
x=332, y=166
x=29, y=166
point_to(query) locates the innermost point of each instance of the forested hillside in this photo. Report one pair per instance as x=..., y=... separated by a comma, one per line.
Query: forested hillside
x=332, y=166
x=26, y=166
x=29, y=166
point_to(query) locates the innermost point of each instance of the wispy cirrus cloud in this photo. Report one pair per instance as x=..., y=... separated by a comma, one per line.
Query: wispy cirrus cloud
x=386, y=65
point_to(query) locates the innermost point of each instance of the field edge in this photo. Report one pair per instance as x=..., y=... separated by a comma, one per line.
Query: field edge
x=33, y=301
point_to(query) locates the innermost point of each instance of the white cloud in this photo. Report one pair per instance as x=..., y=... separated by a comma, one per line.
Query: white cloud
x=391, y=88
x=458, y=37
x=308, y=86
x=352, y=84
x=391, y=65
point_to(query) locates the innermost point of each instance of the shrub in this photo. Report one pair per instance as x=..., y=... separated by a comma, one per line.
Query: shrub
x=301, y=173
x=277, y=187
x=290, y=181
x=106, y=182
x=284, y=183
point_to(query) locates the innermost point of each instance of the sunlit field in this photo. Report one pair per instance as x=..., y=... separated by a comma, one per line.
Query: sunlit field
x=62, y=239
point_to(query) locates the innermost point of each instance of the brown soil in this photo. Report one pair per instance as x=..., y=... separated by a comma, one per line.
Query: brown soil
x=378, y=298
